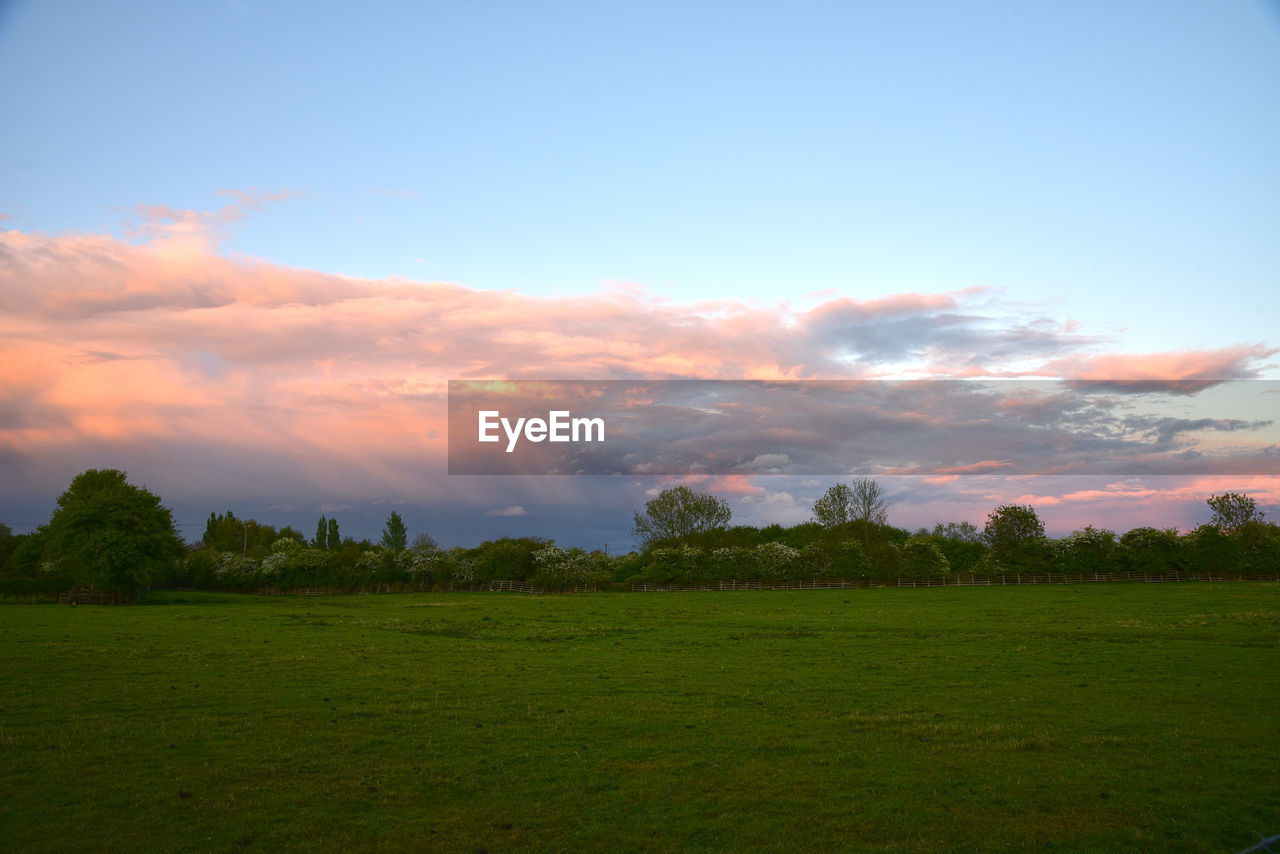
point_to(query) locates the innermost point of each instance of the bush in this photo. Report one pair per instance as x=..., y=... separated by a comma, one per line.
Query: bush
x=1153, y=551
x=1087, y=551
x=849, y=560
x=922, y=559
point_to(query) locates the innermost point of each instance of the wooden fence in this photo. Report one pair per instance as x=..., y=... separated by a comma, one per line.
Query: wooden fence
x=807, y=584
x=1074, y=578
x=92, y=597
x=516, y=587
x=451, y=587
x=959, y=580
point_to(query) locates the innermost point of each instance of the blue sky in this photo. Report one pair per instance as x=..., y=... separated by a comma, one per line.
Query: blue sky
x=1115, y=160
x=1107, y=167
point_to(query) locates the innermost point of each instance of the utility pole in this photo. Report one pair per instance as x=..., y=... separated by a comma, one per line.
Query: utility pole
x=246, y=538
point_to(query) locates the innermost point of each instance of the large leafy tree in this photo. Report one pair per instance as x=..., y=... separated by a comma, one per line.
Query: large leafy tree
x=109, y=533
x=835, y=508
x=679, y=512
x=395, y=536
x=1089, y=549
x=1232, y=511
x=1016, y=538
x=1154, y=550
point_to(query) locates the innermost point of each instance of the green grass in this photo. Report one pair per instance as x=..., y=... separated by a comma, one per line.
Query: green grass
x=1108, y=717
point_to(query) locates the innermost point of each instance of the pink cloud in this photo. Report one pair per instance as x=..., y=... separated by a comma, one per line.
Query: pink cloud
x=898, y=305
x=1237, y=362
x=164, y=343
x=947, y=473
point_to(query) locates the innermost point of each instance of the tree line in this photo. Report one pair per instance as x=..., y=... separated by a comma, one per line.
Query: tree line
x=113, y=535
x=686, y=538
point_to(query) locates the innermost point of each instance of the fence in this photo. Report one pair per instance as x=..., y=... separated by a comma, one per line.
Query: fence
x=1264, y=845
x=516, y=587
x=451, y=587
x=808, y=584
x=91, y=597
x=958, y=580
x=336, y=591
x=1078, y=578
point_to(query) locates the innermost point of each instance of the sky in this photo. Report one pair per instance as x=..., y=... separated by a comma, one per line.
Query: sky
x=245, y=246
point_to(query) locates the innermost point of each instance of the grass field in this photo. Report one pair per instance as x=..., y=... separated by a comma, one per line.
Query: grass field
x=1106, y=717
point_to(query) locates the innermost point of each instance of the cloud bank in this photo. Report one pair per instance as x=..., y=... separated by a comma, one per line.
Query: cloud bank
x=223, y=379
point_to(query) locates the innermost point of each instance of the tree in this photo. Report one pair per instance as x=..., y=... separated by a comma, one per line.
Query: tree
x=849, y=560
x=1152, y=550
x=506, y=558
x=109, y=533
x=921, y=558
x=26, y=558
x=870, y=505
x=8, y=542
x=964, y=532
x=1089, y=550
x=679, y=512
x=1259, y=544
x=863, y=504
x=424, y=544
x=322, y=534
x=1016, y=538
x=333, y=540
x=289, y=533
x=223, y=532
x=1232, y=511
x=960, y=542
x=835, y=508
x=395, y=536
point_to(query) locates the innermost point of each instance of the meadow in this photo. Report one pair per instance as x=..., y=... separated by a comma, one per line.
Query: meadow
x=1103, y=717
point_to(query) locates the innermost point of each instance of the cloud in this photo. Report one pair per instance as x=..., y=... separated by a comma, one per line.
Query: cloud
x=767, y=464
x=1166, y=430
x=1187, y=371
x=933, y=427
x=235, y=378
x=514, y=510
x=178, y=228
x=942, y=333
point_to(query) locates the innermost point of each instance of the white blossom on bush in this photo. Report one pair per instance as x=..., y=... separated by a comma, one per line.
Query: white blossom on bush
x=775, y=560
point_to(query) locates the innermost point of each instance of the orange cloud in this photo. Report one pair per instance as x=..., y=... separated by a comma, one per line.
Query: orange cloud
x=1237, y=362
x=165, y=342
